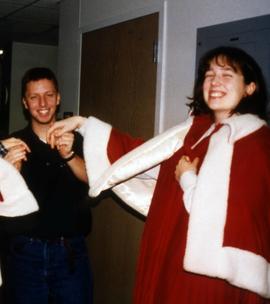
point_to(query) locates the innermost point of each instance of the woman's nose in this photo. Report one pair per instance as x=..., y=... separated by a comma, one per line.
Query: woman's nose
x=215, y=80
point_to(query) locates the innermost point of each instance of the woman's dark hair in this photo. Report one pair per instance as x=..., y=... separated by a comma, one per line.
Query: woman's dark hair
x=241, y=62
x=36, y=74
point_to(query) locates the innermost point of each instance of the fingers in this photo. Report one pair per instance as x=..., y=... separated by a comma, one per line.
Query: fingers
x=18, y=165
x=62, y=126
x=54, y=132
x=12, y=142
x=16, y=154
x=64, y=144
x=66, y=139
x=195, y=162
x=56, y=128
x=184, y=158
x=185, y=164
x=52, y=136
x=55, y=136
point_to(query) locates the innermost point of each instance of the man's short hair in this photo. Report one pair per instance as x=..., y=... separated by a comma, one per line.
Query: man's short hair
x=35, y=74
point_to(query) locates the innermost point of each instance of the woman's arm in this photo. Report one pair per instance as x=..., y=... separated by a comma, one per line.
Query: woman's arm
x=62, y=126
x=186, y=175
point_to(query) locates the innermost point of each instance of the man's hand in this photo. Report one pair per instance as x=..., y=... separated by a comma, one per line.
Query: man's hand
x=64, y=144
x=62, y=126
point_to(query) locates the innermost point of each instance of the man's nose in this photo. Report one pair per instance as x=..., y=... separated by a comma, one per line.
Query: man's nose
x=42, y=100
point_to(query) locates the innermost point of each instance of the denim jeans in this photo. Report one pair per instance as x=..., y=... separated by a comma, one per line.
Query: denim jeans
x=41, y=272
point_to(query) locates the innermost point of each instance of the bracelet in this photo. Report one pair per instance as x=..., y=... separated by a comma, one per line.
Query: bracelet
x=3, y=150
x=69, y=157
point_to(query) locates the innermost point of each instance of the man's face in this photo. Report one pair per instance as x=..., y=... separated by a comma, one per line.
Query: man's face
x=41, y=100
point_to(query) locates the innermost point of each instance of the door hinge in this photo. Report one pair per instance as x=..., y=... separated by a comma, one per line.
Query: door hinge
x=155, y=52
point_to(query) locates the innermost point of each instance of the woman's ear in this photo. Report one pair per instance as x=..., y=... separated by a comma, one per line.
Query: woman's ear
x=250, y=88
x=58, y=98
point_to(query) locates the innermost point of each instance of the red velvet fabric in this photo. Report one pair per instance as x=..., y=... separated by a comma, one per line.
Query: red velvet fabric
x=160, y=277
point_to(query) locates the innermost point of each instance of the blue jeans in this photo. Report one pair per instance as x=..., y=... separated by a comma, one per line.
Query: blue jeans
x=41, y=272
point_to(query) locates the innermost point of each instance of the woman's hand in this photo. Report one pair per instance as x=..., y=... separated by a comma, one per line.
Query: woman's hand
x=184, y=165
x=16, y=154
x=62, y=126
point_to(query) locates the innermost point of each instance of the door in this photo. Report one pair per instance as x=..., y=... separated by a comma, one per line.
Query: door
x=118, y=84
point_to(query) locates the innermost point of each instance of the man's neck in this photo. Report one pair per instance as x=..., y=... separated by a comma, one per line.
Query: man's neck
x=40, y=130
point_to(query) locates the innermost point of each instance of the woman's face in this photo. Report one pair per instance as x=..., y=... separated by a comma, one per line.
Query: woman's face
x=224, y=88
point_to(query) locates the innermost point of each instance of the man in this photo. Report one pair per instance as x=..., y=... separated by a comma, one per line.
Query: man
x=48, y=257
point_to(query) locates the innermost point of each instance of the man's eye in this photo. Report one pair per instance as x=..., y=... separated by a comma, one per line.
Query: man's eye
x=50, y=94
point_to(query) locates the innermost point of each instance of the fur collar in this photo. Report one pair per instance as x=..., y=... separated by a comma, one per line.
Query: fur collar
x=204, y=251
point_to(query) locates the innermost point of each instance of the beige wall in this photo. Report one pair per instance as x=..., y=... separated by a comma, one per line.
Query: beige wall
x=183, y=19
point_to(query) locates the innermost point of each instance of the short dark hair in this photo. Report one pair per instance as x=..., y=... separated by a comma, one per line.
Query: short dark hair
x=242, y=62
x=35, y=74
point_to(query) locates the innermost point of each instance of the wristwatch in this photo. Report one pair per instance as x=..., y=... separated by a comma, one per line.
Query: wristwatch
x=3, y=150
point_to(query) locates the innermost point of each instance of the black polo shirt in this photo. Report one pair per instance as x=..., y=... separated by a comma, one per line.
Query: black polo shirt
x=64, y=208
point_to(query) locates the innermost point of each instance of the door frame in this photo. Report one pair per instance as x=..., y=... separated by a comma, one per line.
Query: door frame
x=161, y=8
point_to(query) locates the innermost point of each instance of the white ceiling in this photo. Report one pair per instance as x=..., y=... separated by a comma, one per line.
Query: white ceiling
x=29, y=21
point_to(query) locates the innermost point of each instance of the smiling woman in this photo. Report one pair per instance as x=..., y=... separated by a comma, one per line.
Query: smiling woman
x=206, y=237
x=229, y=75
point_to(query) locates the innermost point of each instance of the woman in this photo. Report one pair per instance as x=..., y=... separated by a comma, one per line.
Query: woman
x=206, y=241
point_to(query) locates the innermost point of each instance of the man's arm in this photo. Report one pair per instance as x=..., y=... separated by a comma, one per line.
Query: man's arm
x=64, y=145
x=77, y=165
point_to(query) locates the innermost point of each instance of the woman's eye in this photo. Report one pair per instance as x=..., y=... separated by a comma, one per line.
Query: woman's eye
x=208, y=75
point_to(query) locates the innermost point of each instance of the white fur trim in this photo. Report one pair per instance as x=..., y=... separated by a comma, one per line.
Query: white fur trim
x=146, y=156
x=96, y=137
x=188, y=182
x=138, y=191
x=205, y=253
x=18, y=199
